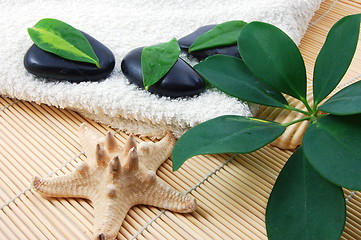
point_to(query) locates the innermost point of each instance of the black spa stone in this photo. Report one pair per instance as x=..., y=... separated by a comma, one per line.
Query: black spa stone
x=50, y=66
x=181, y=80
x=187, y=41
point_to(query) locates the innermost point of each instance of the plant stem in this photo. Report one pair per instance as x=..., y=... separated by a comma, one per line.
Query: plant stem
x=296, y=121
x=315, y=107
x=310, y=110
x=298, y=110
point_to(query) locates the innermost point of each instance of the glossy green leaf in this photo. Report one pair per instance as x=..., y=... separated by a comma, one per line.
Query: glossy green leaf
x=335, y=56
x=274, y=58
x=230, y=75
x=60, y=38
x=303, y=205
x=157, y=60
x=221, y=35
x=333, y=147
x=225, y=134
x=345, y=102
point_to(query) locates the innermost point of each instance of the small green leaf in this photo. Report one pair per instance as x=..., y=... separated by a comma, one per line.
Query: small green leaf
x=230, y=75
x=157, y=60
x=303, y=205
x=345, y=102
x=221, y=35
x=335, y=56
x=332, y=146
x=225, y=134
x=274, y=58
x=60, y=38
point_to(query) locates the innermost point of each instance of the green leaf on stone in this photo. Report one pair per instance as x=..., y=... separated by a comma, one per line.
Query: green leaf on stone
x=230, y=75
x=345, y=102
x=333, y=147
x=304, y=205
x=61, y=39
x=274, y=58
x=335, y=56
x=223, y=34
x=157, y=60
x=225, y=134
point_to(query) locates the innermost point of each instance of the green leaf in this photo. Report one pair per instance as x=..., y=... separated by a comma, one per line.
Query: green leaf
x=225, y=134
x=303, y=205
x=332, y=146
x=274, y=58
x=157, y=60
x=335, y=56
x=345, y=102
x=60, y=38
x=221, y=35
x=230, y=75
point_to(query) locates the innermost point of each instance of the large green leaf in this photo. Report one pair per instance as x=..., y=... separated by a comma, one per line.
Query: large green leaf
x=157, y=60
x=274, y=58
x=221, y=35
x=303, y=205
x=345, y=102
x=225, y=134
x=333, y=147
x=60, y=38
x=230, y=75
x=335, y=56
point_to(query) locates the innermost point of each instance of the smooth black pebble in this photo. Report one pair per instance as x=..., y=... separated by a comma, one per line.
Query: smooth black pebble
x=50, y=66
x=187, y=41
x=181, y=80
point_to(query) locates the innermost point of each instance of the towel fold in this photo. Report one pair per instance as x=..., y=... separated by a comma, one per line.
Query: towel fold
x=123, y=26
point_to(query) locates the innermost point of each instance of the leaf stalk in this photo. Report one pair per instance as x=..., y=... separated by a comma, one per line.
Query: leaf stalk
x=310, y=110
x=298, y=110
x=296, y=121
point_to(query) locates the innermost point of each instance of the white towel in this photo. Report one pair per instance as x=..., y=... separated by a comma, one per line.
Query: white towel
x=122, y=26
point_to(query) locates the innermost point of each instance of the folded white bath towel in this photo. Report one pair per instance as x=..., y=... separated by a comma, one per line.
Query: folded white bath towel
x=122, y=26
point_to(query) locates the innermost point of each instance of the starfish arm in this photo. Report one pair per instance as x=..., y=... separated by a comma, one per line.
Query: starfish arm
x=69, y=185
x=109, y=214
x=160, y=194
x=152, y=155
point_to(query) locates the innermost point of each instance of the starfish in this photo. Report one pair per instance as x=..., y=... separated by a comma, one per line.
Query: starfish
x=115, y=179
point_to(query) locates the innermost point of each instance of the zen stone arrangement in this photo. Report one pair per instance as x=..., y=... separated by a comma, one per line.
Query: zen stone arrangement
x=181, y=80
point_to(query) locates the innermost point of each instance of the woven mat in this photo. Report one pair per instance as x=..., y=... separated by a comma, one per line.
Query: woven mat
x=231, y=190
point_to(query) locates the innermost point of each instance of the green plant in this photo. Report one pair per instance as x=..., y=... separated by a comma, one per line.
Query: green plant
x=157, y=60
x=307, y=200
x=221, y=35
x=60, y=38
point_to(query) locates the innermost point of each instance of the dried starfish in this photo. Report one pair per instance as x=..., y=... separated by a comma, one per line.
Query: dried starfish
x=116, y=179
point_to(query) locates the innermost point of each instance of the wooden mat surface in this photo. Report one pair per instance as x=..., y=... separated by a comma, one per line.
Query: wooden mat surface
x=231, y=190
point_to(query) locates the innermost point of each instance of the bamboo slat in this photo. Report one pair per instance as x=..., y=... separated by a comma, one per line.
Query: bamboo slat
x=231, y=190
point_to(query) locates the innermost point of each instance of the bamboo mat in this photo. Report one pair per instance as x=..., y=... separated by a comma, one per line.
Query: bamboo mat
x=231, y=190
